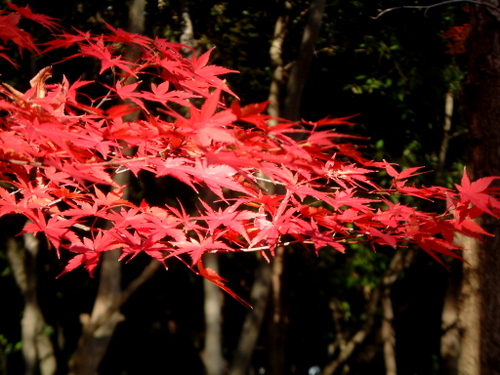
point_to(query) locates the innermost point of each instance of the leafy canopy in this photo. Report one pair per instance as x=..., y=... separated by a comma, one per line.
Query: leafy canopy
x=60, y=151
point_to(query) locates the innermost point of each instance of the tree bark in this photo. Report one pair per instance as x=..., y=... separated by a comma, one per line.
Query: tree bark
x=285, y=96
x=450, y=338
x=94, y=343
x=136, y=13
x=279, y=321
x=253, y=320
x=480, y=308
x=99, y=327
x=387, y=331
x=187, y=36
x=212, y=356
x=448, y=114
x=277, y=64
x=38, y=350
x=300, y=67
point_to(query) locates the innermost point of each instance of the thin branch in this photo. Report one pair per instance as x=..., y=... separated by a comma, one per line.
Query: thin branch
x=427, y=7
x=145, y=275
x=397, y=264
x=22, y=162
x=104, y=163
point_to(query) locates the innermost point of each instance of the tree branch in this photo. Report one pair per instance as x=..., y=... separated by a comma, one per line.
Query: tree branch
x=397, y=264
x=427, y=7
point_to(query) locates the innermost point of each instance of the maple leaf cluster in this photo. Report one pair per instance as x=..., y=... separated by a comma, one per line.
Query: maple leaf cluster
x=457, y=39
x=275, y=182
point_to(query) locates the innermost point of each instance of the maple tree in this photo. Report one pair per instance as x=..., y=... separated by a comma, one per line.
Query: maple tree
x=59, y=151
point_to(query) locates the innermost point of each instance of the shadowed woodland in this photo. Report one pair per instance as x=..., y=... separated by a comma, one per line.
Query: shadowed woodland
x=421, y=85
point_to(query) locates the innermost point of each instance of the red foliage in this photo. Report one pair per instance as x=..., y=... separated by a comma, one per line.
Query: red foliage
x=457, y=38
x=59, y=156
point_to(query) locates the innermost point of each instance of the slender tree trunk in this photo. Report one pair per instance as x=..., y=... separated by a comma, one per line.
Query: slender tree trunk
x=279, y=321
x=187, y=36
x=300, y=67
x=94, y=343
x=470, y=311
x=285, y=98
x=38, y=350
x=480, y=308
x=253, y=320
x=136, y=13
x=450, y=339
x=212, y=356
x=275, y=52
x=99, y=327
x=448, y=113
x=275, y=108
x=387, y=332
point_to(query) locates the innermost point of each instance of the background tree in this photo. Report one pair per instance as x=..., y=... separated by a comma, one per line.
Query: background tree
x=481, y=282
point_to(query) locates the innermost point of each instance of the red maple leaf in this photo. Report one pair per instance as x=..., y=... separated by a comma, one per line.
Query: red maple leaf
x=57, y=229
x=104, y=54
x=66, y=40
x=196, y=248
x=128, y=92
x=8, y=203
x=9, y=31
x=161, y=93
x=122, y=36
x=219, y=176
x=209, y=73
x=476, y=193
x=46, y=21
x=90, y=251
x=433, y=245
x=211, y=275
x=230, y=218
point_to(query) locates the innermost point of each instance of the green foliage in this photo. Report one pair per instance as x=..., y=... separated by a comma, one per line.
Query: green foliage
x=7, y=348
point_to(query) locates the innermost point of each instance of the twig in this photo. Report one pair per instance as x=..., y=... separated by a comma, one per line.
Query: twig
x=427, y=7
x=397, y=264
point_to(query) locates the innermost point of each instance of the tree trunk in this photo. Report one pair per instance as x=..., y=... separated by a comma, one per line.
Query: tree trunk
x=277, y=64
x=99, y=327
x=450, y=338
x=300, y=67
x=94, y=343
x=387, y=332
x=136, y=13
x=253, y=320
x=448, y=114
x=212, y=356
x=279, y=321
x=480, y=308
x=285, y=97
x=187, y=36
x=38, y=351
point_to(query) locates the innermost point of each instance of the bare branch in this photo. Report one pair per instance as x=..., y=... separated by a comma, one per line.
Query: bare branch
x=397, y=264
x=427, y=7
